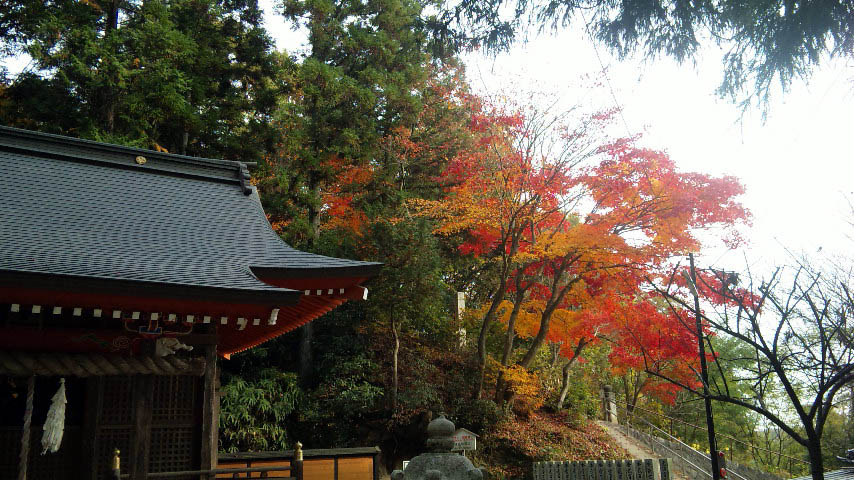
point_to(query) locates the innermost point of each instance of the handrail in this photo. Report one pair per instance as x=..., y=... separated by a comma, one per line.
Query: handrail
x=219, y=471
x=732, y=472
x=677, y=453
x=214, y=471
x=296, y=469
x=730, y=437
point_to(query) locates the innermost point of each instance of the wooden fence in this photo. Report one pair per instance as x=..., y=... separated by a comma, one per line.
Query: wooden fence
x=648, y=469
x=318, y=464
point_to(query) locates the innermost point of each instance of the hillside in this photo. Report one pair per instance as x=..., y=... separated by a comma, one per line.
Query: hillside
x=514, y=444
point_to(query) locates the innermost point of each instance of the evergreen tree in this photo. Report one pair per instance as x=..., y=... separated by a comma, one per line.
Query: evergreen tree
x=360, y=80
x=193, y=77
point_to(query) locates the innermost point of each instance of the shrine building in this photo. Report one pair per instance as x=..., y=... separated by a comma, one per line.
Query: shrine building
x=126, y=273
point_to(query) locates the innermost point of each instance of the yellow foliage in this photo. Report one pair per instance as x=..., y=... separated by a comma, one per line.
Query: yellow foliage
x=526, y=385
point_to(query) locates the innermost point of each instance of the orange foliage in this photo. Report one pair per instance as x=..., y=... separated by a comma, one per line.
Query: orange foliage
x=339, y=199
x=579, y=230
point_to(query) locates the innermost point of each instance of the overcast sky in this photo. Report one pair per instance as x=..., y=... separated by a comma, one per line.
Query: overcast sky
x=797, y=166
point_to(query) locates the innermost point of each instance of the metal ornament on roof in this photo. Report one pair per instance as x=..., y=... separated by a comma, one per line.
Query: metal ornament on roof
x=439, y=463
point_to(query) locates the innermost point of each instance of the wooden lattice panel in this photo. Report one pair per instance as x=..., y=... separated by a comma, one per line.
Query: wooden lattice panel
x=171, y=450
x=115, y=424
x=109, y=439
x=174, y=400
x=174, y=432
x=117, y=406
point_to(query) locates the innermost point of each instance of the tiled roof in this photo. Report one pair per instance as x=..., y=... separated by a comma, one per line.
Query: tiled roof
x=88, y=210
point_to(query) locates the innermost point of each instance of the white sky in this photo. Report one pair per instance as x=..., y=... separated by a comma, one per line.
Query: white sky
x=797, y=167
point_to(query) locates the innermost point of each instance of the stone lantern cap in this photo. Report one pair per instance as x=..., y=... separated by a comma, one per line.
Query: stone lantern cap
x=439, y=463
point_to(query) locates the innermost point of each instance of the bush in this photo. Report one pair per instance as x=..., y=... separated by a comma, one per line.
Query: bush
x=477, y=415
x=253, y=412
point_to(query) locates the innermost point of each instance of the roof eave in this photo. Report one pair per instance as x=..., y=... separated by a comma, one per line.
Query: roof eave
x=109, y=286
x=357, y=270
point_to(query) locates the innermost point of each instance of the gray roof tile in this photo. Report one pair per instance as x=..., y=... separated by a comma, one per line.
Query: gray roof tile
x=83, y=209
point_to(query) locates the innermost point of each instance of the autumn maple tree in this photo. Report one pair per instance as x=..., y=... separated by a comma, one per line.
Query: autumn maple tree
x=567, y=217
x=648, y=342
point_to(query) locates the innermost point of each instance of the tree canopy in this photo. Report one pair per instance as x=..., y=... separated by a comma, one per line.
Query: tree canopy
x=764, y=42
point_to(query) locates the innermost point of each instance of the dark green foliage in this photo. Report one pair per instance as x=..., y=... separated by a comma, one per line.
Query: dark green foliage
x=410, y=288
x=254, y=410
x=582, y=402
x=346, y=392
x=361, y=79
x=192, y=77
x=478, y=415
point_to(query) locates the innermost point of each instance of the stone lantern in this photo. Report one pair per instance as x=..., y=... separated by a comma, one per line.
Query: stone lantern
x=439, y=463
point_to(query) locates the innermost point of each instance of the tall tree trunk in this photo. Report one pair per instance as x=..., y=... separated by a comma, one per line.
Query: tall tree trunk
x=501, y=384
x=111, y=21
x=545, y=320
x=851, y=415
x=497, y=298
x=816, y=460
x=564, y=389
x=394, y=357
x=540, y=338
x=306, y=351
x=106, y=96
x=630, y=405
x=306, y=355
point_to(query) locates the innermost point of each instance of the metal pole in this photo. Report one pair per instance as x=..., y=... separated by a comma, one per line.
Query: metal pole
x=704, y=376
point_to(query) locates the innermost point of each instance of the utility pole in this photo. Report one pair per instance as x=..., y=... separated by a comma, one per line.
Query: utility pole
x=704, y=376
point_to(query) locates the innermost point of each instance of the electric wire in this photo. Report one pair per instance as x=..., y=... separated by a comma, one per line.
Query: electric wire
x=607, y=78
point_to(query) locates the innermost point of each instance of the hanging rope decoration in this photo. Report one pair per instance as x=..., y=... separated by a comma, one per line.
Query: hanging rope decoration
x=54, y=425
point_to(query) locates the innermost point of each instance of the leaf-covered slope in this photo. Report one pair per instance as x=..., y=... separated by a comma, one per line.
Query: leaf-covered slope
x=510, y=449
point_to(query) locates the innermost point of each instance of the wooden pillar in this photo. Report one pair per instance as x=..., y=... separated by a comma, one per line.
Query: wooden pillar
x=24, y=459
x=210, y=412
x=377, y=465
x=91, y=413
x=143, y=389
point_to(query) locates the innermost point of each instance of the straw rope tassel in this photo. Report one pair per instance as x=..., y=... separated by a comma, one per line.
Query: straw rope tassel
x=25, y=434
x=54, y=425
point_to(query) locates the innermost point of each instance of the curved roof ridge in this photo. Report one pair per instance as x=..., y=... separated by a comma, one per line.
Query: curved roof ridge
x=111, y=147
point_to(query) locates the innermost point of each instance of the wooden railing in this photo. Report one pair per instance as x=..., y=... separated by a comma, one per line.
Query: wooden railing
x=297, y=464
x=318, y=464
x=294, y=469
